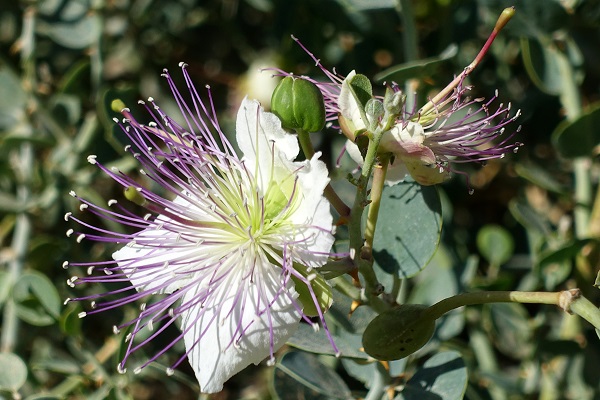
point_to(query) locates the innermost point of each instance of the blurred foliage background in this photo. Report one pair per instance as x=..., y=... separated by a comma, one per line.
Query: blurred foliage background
x=530, y=224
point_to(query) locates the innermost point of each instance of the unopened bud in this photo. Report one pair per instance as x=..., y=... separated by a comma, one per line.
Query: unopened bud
x=393, y=101
x=299, y=104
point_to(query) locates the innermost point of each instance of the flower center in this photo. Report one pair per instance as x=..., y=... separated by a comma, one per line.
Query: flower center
x=253, y=213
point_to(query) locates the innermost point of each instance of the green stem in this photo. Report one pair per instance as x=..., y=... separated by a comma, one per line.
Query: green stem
x=399, y=290
x=594, y=225
x=329, y=192
x=583, y=196
x=586, y=310
x=570, y=301
x=374, y=205
x=571, y=101
x=466, y=299
x=355, y=224
x=409, y=37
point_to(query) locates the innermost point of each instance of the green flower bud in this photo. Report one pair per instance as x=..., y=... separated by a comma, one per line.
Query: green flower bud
x=299, y=104
x=393, y=101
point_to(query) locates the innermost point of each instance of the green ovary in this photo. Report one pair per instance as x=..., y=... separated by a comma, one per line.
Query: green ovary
x=277, y=198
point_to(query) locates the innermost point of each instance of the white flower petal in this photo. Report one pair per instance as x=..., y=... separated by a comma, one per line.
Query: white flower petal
x=151, y=261
x=263, y=141
x=354, y=152
x=396, y=172
x=348, y=105
x=402, y=139
x=152, y=268
x=212, y=335
x=314, y=212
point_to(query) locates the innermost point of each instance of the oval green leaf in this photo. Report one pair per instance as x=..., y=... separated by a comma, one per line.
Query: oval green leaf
x=444, y=377
x=495, y=244
x=556, y=263
x=542, y=63
x=12, y=99
x=509, y=325
x=36, y=299
x=417, y=69
x=13, y=372
x=77, y=34
x=302, y=375
x=408, y=230
x=579, y=138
